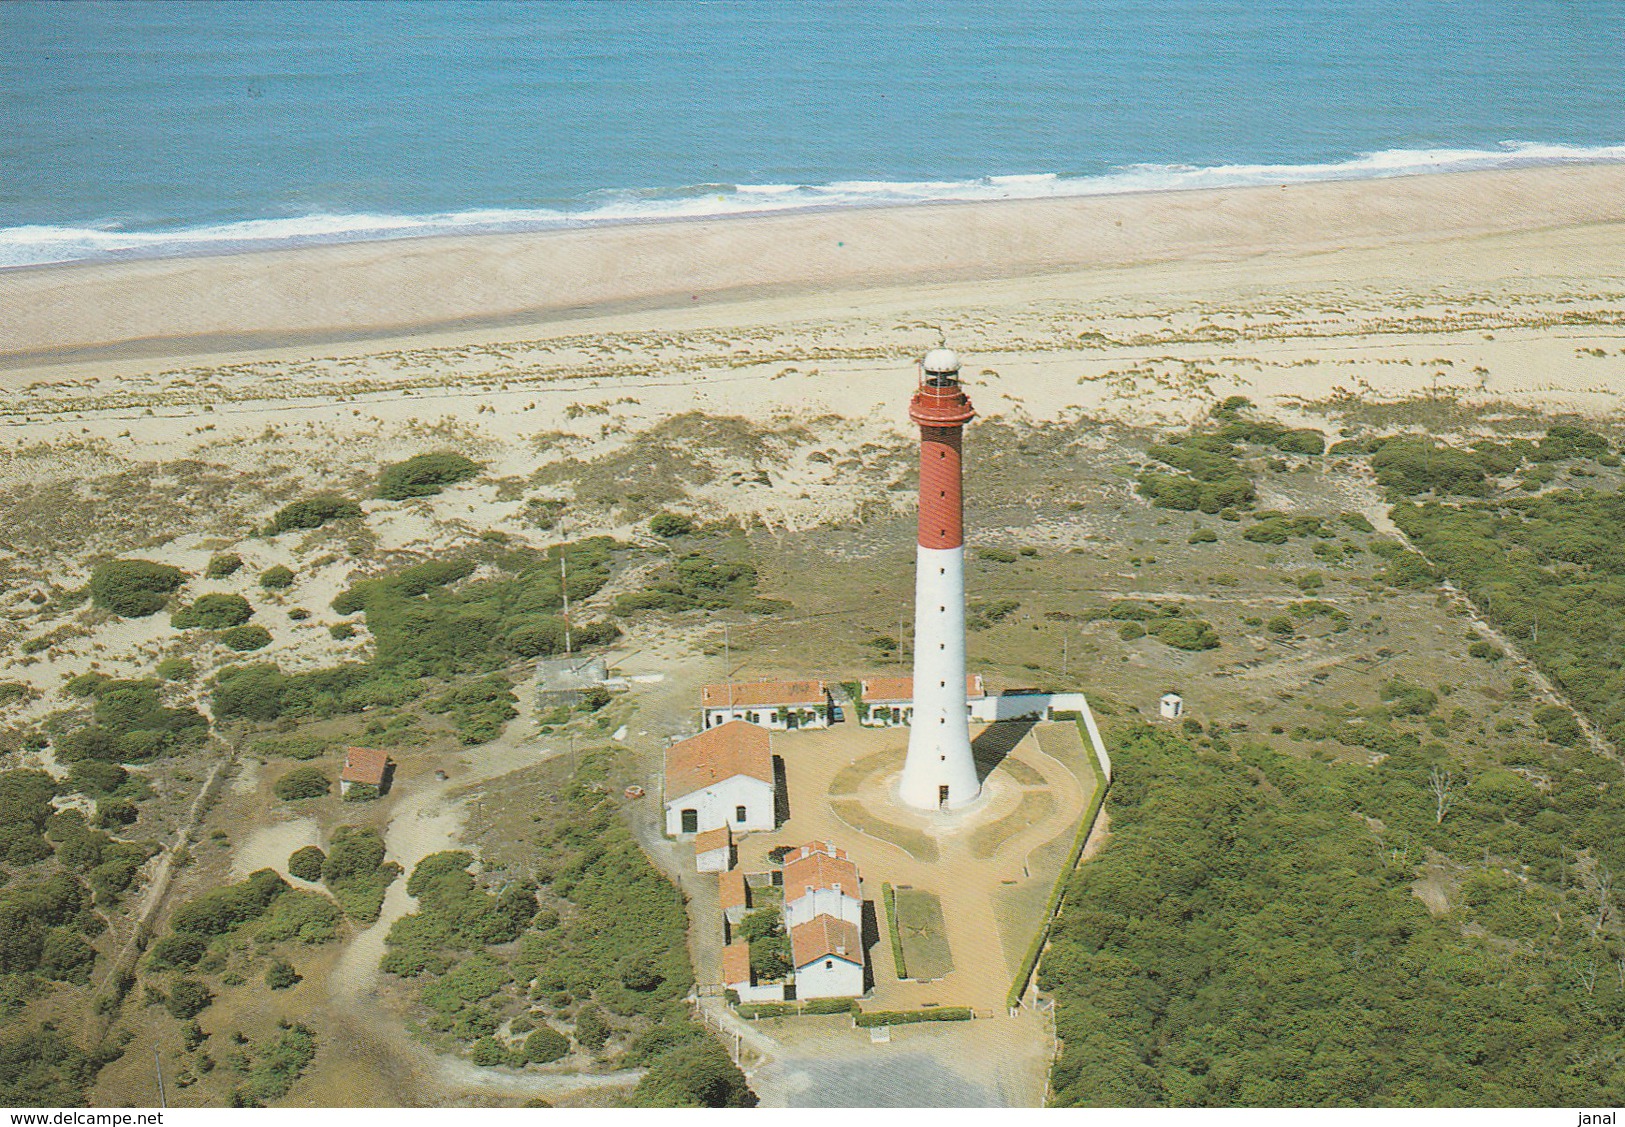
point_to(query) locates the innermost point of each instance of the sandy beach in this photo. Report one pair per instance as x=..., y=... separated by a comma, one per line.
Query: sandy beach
x=328, y=293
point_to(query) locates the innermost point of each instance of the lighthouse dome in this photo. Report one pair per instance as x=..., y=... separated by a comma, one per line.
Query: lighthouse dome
x=941, y=362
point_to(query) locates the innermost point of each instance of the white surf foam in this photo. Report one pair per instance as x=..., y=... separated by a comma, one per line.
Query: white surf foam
x=43, y=245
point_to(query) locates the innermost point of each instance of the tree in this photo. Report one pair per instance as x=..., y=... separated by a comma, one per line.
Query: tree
x=187, y=999
x=280, y=975
x=694, y=1074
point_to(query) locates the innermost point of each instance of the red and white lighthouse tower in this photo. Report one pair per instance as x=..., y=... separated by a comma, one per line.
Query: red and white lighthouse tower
x=940, y=772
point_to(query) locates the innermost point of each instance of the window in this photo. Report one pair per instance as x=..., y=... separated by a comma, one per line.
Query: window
x=739, y=813
x=829, y=964
x=690, y=821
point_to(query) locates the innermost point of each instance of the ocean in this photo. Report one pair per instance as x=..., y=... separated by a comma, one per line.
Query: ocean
x=137, y=129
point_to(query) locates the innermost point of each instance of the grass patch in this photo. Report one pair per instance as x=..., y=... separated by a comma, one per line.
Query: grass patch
x=912, y=842
x=923, y=934
x=1033, y=807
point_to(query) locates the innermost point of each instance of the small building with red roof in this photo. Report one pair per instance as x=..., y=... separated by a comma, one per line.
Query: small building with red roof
x=714, y=850
x=733, y=895
x=821, y=882
x=722, y=777
x=828, y=957
x=366, y=767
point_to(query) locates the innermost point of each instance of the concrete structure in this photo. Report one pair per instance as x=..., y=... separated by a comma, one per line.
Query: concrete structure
x=733, y=895
x=779, y=705
x=1172, y=706
x=888, y=702
x=820, y=880
x=828, y=957
x=738, y=977
x=367, y=767
x=723, y=777
x=940, y=772
x=562, y=680
x=1024, y=704
x=714, y=850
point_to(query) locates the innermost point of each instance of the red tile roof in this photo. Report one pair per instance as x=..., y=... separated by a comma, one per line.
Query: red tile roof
x=365, y=765
x=823, y=936
x=894, y=690
x=719, y=838
x=731, y=890
x=814, y=847
x=736, y=964
x=820, y=871
x=764, y=694
x=718, y=754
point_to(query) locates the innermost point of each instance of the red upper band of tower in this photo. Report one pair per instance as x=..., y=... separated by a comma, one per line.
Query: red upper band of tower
x=942, y=409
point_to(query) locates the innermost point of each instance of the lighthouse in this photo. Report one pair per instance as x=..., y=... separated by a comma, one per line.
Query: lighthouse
x=940, y=773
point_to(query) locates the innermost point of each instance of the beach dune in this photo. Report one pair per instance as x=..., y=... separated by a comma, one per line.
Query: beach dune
x=355, y=291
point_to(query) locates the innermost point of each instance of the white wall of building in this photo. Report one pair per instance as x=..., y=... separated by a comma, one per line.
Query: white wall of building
x=820, y=902
x=715, y=860
x=763, y=993
x=829, y=977
x=774, y=719
x=717, y=806
x=939, y=752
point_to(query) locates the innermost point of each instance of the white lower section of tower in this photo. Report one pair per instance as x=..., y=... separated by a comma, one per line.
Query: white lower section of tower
x=940, y=771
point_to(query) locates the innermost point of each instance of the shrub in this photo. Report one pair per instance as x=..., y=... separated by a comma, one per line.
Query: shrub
x=996, y=555
x=1283, y=624
x=1131, y=631
x=307, y=863
x=116, y=812
x=223, y=564
x=213, y=612
x=223, y=909
x=546, y=1045
x=1186, y=634
x=133, y=588
x=341, y=630
x=592, y=1031
x=276, y=578
x=313, y=512
x=1486, y=650
x=1203, y=536
x=176, y=669
x=245, y=639
x=669, y=525
x=424, y=475
x=173, y=952
x=280, y=975
x=303, y=783
x=187, y=998
x=306, y=917
x=1558, y=725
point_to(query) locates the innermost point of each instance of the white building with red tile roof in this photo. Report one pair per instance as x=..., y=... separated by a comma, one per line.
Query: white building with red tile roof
x=888, y=702
x=779, y=705
x=828, y=957
x=733, y=895
x=821, y=882
x=722, y=777
x=364, y=766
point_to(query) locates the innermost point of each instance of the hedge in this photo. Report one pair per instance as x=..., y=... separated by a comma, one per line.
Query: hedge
x=910, y=1017
x=890, y=898
x=1018, y=985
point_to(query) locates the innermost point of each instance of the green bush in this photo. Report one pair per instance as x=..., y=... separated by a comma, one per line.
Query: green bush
x=280, y=975
x=424, y=475
x=175, y=952
x=223, y=565
x=591, y=1030
x=996, y=555
x=669, y=525
x=187, y=998
x=133, y=588
x=341, y=630
x=277, y=578
x=225, y=909
x=313, y=512
x=303, y=782
x=306, y=863
x=1203, y=536
x=176, y=669
x=830, y=1006
x=694, y=1074
x=546, y=1045
x=245, y=639
x=213, y=612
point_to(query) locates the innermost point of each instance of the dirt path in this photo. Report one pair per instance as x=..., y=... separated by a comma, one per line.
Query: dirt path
x=429, y=820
